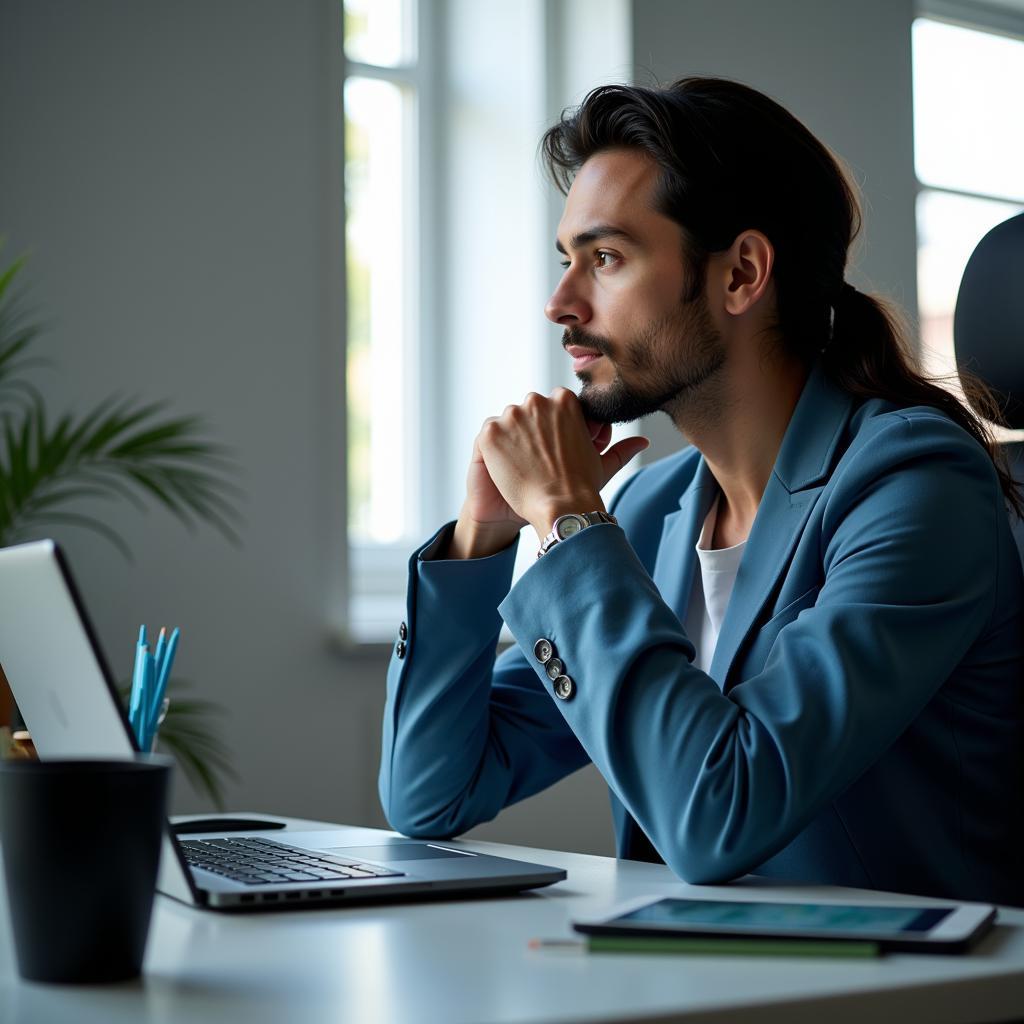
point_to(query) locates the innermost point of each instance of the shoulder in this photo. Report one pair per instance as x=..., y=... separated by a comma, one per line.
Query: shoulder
x=913, y=476
x=919, y=441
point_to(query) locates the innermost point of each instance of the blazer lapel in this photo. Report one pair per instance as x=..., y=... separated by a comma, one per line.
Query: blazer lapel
x=802, y=467
x=673, y=575
x=677, y=554
x=776, y=530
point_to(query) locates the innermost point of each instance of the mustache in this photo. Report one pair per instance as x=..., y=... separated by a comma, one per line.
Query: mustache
x=578, y=336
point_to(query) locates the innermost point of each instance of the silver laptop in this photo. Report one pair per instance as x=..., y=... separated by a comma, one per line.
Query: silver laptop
x=69, y=701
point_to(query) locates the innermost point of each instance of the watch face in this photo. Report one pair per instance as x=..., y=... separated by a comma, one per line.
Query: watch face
x=567, y=526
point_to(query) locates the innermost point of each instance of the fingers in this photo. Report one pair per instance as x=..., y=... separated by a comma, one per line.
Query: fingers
x=485, y=426
x=619, y=454
x=600, y=434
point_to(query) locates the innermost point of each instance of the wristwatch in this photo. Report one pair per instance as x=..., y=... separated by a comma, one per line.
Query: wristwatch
x=569, y=525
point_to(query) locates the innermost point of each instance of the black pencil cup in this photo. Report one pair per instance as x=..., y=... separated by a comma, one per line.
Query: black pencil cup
x=81, y=847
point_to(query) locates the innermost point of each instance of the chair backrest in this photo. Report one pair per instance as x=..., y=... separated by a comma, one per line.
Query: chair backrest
x=988, y=330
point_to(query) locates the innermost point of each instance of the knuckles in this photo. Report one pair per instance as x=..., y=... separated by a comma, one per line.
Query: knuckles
x=491, y=430
x=532, y=405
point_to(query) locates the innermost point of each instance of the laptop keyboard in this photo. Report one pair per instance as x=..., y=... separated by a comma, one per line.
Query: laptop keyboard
x=254, y=861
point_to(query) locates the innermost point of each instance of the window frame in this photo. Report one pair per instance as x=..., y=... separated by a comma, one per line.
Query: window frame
x=376, y=571
x=370, y=581
x=976, y=16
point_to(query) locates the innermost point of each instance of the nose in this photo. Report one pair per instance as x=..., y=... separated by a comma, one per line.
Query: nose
x=566, y=305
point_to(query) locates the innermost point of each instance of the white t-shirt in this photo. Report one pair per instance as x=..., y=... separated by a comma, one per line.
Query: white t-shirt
x=712, y=588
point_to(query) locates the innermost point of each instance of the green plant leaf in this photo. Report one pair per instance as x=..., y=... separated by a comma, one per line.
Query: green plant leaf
x=7, y=277
x=85, y=523
x=120, y=449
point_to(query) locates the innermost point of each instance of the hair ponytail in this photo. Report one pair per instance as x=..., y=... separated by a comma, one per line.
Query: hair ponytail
x=869, y=355
x=704, y=134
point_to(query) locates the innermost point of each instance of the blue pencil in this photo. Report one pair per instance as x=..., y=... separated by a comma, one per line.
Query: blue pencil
x=137, y=703
x=163, y=675
x=150, y=675
x=161, y=644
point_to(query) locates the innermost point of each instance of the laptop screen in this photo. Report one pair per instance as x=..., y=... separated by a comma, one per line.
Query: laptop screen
x=59, y=677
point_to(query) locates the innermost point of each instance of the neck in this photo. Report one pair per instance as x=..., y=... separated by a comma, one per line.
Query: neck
x=738, y=423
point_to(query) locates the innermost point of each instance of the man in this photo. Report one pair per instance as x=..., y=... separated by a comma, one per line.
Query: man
x=798, y=652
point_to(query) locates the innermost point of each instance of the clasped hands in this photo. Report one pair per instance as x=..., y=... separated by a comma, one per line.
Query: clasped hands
x=533, y=463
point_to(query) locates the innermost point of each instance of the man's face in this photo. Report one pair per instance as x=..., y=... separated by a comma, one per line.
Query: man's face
x=638, y=344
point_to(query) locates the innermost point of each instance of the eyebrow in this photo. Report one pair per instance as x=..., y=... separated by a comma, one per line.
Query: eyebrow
x=594, y=234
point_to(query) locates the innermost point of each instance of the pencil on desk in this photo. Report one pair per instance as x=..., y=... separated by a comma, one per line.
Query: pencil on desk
x=713, y=946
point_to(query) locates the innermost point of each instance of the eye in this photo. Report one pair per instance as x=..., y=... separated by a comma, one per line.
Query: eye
x=564, y=264
x=606, y=259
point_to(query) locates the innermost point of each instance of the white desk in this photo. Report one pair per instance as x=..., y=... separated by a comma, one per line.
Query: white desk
x=468, y=960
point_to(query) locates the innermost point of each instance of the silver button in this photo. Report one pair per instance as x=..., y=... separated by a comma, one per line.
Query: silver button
x=403, y=632
x=554, y=668
x=400, y=649
x=543, y=650
x=564, y=687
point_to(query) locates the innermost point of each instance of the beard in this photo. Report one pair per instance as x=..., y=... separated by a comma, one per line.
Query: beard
x=668, y=363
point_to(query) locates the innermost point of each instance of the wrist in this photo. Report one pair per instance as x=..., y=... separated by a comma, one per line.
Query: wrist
x=471, y=539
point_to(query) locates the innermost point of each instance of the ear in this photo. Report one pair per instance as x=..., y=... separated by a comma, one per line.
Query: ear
x=746, y=271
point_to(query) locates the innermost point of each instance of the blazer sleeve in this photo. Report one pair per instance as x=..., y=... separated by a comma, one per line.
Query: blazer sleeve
x=464, y=734
x=721, y=782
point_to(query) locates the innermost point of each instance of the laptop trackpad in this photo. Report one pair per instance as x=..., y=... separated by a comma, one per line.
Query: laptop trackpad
x=393, y=851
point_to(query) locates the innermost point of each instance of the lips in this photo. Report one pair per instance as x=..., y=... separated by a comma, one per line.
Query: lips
x=582, y=357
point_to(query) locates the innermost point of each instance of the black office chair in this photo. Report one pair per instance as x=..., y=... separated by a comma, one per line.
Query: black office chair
x=988, y=330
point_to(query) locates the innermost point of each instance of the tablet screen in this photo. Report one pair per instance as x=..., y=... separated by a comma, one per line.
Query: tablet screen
x=785, y=917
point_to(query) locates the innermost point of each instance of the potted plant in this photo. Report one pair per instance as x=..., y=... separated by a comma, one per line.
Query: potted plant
x=122, y=451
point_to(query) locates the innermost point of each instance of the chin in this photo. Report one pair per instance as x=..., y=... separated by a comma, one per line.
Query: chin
x=616, y=403
x=586, y=379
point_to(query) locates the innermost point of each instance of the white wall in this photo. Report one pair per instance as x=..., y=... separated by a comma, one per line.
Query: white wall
x=170, y=169
x=166, y=167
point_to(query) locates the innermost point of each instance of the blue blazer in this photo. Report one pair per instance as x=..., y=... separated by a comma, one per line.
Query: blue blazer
x=862, y=722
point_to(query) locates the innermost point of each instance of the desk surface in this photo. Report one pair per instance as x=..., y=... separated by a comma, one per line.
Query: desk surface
x=468, y=960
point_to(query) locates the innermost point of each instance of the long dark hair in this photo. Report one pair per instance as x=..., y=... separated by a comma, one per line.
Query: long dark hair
x=732, y=159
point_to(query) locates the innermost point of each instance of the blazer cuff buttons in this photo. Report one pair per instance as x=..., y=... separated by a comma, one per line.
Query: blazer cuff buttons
x=554, y=668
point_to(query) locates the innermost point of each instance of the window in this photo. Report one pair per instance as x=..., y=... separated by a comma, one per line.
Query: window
x=969, y=157
x=449, y=239
x=390, y=128
x=381, y=105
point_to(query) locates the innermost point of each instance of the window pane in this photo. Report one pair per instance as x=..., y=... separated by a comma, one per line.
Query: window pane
x=376, y=236
x=967, y=121
x=948, y=229
x=379, y=31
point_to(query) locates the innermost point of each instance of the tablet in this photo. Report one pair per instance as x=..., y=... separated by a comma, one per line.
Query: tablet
x=893, y=926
